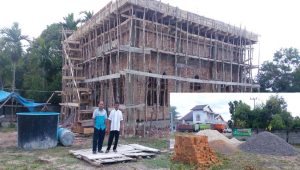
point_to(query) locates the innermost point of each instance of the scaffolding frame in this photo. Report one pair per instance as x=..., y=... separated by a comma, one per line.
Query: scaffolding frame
x=150, y=48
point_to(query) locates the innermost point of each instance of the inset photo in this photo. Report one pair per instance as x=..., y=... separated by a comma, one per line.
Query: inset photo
x=215, y=129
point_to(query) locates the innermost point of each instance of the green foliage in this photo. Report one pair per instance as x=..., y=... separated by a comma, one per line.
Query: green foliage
x=10, y=54
x=38, y=69
x=273, y=114
x=230, y=124
x=282, y=74
x=287, y=119
x=5, y=70
x=296, y=123
x=240, y=113
x=174, y=112
x=277, y=122
x=43, y=64
x=70, y=23
x=276, y=104
x=295, y=85
x=11, y=39
x=87, y=15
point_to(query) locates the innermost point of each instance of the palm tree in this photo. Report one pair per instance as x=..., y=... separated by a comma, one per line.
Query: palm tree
x=11, y=38
x=87, y=15
x=70, y=23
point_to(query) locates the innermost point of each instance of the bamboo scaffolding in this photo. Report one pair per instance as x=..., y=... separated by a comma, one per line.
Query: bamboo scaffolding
x=148, y=47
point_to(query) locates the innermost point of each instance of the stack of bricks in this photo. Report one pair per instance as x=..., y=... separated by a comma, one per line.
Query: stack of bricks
x=192, y=149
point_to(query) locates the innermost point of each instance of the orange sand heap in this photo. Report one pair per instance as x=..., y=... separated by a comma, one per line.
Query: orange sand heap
x=194, y=149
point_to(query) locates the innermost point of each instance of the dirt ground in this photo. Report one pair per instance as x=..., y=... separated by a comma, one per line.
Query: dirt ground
x=8, y=139
x=11, y=157
x=14, y=158
x=246, y=161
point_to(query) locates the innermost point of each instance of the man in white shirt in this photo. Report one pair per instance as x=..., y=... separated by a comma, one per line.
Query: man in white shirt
x=116, y=124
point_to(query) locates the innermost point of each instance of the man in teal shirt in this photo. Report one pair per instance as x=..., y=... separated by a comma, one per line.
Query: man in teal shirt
x=99, y=119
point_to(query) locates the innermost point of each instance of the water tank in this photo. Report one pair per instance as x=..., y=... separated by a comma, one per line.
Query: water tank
x=65, y=136
x=37, y=130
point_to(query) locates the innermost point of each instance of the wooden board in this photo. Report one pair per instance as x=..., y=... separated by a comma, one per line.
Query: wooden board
x=125, y=153
x=88, y=131
x=144, y=148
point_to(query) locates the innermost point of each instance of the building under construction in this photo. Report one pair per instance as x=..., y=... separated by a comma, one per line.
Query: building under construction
x=137, y=52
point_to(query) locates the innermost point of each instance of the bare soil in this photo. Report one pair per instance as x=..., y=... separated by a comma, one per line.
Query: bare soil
x=8, y=139
x=11, y=157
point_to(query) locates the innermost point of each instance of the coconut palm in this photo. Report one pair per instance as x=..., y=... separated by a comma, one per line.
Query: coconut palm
x=87, y=15
x=70, y=23
x=12, y=45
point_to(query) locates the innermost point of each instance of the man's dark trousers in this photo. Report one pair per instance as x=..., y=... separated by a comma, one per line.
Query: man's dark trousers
x=113, y=134
x=98, y=138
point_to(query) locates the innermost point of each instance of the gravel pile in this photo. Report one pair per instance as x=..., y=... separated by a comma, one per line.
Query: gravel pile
x=269, y=144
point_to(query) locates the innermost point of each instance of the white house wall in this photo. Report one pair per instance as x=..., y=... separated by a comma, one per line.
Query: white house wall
x=203, y=116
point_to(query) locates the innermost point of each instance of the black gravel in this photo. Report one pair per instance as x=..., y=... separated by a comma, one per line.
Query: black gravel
x=269, y=144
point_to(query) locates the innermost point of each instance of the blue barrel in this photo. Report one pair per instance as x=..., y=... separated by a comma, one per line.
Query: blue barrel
x=37, y=130
x=65, y=136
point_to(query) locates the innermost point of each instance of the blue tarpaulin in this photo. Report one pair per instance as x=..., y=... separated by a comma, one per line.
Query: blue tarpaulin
x=25, y=102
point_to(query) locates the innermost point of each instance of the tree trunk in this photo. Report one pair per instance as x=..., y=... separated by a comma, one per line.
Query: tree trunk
x=13, y=90
x=14, y=77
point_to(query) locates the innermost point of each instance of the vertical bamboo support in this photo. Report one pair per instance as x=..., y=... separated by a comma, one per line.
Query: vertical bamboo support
x=145, y=85
x=157, y=66
x=231, y=60
x=238, y=55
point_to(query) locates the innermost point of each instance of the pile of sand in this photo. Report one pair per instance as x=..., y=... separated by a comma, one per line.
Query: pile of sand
x=223, y=147
x=219, y=142
x=216, y=135
x=235, y=142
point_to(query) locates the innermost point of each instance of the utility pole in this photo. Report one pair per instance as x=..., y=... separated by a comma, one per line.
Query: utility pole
x=254, y=99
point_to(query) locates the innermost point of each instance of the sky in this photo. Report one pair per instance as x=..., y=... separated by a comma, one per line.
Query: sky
x=218, y=102
x=276, y=22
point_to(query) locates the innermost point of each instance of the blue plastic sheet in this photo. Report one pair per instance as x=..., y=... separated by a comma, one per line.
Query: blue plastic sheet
x=25, y=102
x=4, y=95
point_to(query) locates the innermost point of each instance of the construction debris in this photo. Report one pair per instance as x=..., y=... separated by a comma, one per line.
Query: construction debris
x=193, y=149
x=269, y=144
x=125, y=153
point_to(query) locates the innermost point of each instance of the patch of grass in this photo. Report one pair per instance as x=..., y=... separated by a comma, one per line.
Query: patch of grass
x=69, y=160
x=182, y=166
x=150, y=142
x=14, y=158
x=161, y=161
x=237, y=161
x=172, y=135
x=297, y=146
x=10, y=128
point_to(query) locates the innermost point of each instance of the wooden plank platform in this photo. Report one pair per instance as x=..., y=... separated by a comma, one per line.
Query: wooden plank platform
x=125, y=153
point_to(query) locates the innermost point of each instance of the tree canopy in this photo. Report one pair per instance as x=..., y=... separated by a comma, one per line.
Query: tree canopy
x=273, y=114
x=283, y=73
x=37, y=68
x=11, y=53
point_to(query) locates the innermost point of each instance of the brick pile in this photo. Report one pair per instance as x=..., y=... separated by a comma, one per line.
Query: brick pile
x=194, y=149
